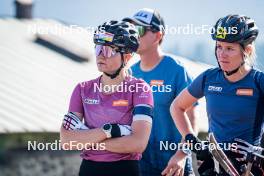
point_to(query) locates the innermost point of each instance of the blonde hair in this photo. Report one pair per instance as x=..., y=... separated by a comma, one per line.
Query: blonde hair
x=249, y=58
x=127, y=67
x=126, y=70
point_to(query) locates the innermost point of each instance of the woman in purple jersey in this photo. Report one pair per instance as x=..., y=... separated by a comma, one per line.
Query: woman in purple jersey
x=115, y=107
x=234, y=98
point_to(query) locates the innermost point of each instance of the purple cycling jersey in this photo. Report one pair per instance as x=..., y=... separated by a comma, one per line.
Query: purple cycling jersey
x=99, y=108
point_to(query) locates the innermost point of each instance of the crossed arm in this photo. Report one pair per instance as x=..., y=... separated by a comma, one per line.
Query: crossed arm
x=134, y=143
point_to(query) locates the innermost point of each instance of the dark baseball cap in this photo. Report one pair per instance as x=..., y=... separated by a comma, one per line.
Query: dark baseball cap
x=148, y=18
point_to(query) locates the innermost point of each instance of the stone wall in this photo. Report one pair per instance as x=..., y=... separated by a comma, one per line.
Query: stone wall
x=37, y=163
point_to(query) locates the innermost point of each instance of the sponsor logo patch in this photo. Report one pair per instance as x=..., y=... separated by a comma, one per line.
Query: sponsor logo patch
x=214, y=89
x=105, y=36
x=221, y=33
x=156, y=82
x=144, y=16
x=245, y=92
x=120, y=103
x=91, y=101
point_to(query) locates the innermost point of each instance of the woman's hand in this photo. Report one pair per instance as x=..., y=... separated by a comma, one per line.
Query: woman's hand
x=175, y=165
x=72, y=122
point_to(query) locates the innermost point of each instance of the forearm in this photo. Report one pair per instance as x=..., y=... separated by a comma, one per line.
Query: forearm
x=82, y=137
x=125, y=144
x=134, y=143
x=181, y=121
x=192, y=115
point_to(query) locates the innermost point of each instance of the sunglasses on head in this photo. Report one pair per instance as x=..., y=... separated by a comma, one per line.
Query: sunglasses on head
x=143, y=29
x=105, y=51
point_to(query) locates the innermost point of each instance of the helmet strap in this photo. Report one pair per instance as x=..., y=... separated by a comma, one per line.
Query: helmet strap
x=229, y=73
x=114, y=75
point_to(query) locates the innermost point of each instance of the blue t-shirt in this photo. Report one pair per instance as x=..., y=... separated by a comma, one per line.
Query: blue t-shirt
x=234, y=109
x=167, y=80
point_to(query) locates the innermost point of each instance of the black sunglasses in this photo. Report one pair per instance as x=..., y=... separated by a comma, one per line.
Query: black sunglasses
x=143, y=29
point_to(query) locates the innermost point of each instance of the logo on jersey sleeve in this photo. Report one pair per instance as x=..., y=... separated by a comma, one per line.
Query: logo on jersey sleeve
x=244, y=92
x=143, y=96
x=120, y=103
x=91, y=101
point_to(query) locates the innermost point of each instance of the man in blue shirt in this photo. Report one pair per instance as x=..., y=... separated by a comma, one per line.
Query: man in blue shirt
x=167, y=78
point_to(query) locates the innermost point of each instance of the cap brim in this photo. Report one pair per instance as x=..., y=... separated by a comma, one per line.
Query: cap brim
x=136, y=21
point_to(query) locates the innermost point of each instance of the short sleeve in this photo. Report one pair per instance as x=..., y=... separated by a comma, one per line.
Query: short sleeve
x=183, y=79
x=76, y=100
x=196, y=87
x=262, y=83
x=142, y=94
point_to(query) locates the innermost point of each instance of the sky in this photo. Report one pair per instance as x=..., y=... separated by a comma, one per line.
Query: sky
x=91, y=13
